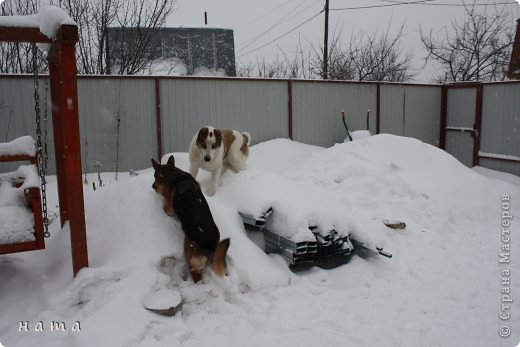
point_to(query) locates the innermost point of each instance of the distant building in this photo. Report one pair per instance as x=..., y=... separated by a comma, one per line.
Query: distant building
x=514, y=65
x=196, y=48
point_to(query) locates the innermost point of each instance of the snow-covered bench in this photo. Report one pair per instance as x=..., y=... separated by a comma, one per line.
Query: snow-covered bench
x=21, y=225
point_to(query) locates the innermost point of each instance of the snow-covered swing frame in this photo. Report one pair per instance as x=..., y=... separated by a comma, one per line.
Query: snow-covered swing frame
x=65, y=119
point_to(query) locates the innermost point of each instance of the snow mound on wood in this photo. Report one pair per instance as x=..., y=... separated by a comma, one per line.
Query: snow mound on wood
x=51, y=19
x=24, y=145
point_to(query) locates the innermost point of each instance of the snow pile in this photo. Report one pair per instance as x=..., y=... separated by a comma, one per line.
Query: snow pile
x=24, y=145
x=165, y=67
x=17, y=224
x=17, y=219
x=280, y=179
x=502, y=176
x=51, y=19
x=441, y=288
x=358, y=134
x=211, y=72
x=26, y=174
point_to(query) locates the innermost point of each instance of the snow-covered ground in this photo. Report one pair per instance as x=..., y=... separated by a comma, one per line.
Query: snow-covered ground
x=444, y=285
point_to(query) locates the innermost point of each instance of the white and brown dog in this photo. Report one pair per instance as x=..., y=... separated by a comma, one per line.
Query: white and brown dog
x=212, y=148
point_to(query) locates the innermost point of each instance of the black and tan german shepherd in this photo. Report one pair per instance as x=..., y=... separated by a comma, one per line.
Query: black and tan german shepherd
x=184, y=200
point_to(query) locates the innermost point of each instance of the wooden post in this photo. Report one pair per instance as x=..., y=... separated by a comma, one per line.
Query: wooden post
x=65, y=118
x=63, y=71
x=326, y=43
x=57, y=125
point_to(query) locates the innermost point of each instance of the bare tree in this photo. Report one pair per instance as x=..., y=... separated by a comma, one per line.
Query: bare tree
x=375, y=57
x=143, y=18
x=274, y=69
x=288, y=66
x=245, y=70
x=299, y=65
x=93, y=18
x=18, y=57
x=475, y=49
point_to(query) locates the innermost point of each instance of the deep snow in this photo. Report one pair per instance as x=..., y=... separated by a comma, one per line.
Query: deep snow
x=441, y=288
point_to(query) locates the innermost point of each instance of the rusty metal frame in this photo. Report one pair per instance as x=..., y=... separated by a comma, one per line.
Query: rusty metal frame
x=65, y=119
x=378, y=108
x=158, y=118
x=477, y=125
x=290, y=108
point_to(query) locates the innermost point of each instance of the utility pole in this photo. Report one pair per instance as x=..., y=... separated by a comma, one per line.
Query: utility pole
x=326, y=43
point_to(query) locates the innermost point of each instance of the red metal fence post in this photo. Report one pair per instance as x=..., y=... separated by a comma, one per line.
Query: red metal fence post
x=378, y=108
x=158, y=117
x=290, y=108
x=478, y=124
x=443, y=116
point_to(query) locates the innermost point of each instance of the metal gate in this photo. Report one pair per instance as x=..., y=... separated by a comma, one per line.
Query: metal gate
x=461, y=118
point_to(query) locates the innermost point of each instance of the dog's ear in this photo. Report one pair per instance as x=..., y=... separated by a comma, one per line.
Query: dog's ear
x=218, y=137
x=156, y=165
x=171, y=161
x=203, y=134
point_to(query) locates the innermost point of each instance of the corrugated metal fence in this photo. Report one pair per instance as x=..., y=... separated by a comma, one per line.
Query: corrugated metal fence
x=127, y=120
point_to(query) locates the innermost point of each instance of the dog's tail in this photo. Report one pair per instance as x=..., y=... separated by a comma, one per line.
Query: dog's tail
x=247, y=136
x=219, y=258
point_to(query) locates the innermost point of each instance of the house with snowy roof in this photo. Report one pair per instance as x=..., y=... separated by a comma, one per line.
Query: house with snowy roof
x=514, y=65
x=178, y=50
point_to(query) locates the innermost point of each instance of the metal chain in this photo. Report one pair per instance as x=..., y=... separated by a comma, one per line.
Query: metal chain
x=45, y=134
x=41, y=155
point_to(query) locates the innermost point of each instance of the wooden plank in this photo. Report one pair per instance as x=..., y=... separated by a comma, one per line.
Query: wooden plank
x=21, y=34
x=63, y=71
x=22, y=157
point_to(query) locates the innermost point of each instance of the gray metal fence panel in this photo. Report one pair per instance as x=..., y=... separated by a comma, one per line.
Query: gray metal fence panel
x=461, y=107
x=500, y=134
x=117, y=123
x=500, y=165
x=461, y=110
x=393, y=108
x=411, y=111
x=118, y=115
x=260, y=107
x=17, y=114
x=501, y=119
x=317, y=108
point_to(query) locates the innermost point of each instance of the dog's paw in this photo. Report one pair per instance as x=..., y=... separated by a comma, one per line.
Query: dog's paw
x=167, y=264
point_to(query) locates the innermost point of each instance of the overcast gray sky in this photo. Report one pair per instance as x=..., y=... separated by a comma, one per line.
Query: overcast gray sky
x=264, y=28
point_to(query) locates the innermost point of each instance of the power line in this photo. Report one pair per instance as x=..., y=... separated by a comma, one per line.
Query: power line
x=265, y=14
x=283, y=35
x=420, y=2
x=471, y=5
x=377, y=6
x=253, y=40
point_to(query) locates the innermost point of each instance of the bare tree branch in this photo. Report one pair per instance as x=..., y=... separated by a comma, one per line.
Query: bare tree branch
x=477, y=50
